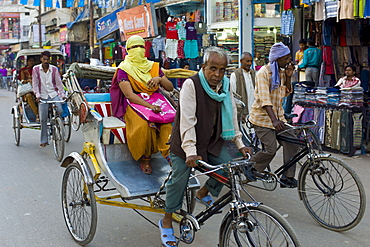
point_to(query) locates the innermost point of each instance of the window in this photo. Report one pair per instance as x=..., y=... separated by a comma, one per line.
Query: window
x=267, y=10
x=26, y=31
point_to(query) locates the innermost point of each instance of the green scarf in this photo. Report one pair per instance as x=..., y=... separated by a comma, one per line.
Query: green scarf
x=228, y=132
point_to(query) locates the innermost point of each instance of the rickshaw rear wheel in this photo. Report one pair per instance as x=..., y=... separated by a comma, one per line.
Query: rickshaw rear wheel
x=58, y=139
x=17, y=129
x=79, y=205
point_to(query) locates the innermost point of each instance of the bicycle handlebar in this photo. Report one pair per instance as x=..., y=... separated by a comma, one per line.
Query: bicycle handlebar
x=309, y=124
x=51, y=101
x=236, y=161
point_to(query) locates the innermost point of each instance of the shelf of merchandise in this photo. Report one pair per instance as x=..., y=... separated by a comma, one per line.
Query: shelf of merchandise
x=268, y=40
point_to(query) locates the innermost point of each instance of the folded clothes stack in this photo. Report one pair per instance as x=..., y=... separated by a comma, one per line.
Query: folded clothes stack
x=333, y=96
x=353, y=97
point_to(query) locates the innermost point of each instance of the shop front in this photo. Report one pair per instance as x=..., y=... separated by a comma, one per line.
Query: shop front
x=266, y=29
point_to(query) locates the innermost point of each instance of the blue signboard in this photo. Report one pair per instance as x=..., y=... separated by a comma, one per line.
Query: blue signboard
x=107, y=24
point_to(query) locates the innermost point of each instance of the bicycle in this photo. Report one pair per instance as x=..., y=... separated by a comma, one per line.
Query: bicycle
x=330, y=190
x=246, y=223
x=56, y=129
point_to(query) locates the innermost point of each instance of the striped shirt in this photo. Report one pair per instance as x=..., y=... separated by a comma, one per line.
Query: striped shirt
x=299, y=56
x=263, y=97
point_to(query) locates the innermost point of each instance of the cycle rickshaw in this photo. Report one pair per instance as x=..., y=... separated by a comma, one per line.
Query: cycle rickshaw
x=105, y=173
x=24, y=118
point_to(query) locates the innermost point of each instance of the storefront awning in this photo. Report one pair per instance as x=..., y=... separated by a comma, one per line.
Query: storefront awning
x=167, y=3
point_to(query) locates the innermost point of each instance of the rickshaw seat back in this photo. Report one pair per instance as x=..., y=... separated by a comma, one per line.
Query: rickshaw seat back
x=97, y=97
x=114, y=130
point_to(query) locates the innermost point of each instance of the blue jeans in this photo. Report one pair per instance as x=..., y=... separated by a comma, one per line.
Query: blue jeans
x=176, y=186
x=43, y=113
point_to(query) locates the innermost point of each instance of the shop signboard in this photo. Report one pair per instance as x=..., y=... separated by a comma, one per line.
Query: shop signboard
x=140, y=20
x=107, y=24
x=63, y=34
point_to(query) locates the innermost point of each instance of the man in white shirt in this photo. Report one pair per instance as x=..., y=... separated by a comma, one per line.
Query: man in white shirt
x=242, y=82
x=47, y=85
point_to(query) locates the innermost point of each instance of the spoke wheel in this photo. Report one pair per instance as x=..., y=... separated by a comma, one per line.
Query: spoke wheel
x=17, y=129
x=332, y=193
x=79, y=205
x=257, y=226
x=58, y=139
x=67, y=128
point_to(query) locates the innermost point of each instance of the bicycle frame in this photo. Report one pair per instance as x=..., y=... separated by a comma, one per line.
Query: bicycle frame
x=231, y=197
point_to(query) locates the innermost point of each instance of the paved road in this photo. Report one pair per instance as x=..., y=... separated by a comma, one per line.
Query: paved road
x=31, y=212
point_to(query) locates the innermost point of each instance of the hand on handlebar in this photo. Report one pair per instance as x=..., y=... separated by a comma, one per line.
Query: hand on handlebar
x=278, y=125
x=191, y=161
x=246, y=152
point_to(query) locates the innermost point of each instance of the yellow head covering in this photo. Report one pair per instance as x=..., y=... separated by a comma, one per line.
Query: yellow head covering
x=135, y=63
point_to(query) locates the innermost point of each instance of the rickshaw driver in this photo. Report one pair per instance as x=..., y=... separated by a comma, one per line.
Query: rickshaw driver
x=206, y=117
x=47, y=85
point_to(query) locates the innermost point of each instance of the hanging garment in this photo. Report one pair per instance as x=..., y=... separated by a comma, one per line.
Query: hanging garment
x=328, y=115
x=331, y=9
x=191, y=49
x=287, y=23
x=171, y=48
x=321, y=126
x=180, y=49
x=191, y=32
x=345, y=8
x=181, y=31
x=345, y=132
x=319, y=10
x=171, y=31
x=335, y=130
x=357, y=129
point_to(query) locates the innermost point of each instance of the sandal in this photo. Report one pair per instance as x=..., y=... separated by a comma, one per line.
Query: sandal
x=207, y=200
x=146, y=167
x=167, y=235
x=42, y=145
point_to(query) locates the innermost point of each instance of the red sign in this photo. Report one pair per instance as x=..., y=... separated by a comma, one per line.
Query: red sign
x=139, y=20
x=63, y=34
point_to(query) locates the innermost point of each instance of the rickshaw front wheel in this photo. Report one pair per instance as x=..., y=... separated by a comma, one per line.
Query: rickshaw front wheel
x=17, y=129
x=79, y=205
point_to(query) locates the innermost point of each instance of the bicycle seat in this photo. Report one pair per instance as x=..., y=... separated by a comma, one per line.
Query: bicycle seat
x=308, y=123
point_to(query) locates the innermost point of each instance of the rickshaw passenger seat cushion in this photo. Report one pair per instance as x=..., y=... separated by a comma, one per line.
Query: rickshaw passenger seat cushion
x=114, y=131
x=97, y=97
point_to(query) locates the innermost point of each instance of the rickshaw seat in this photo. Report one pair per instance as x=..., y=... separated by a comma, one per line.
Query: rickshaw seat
x=114, y=130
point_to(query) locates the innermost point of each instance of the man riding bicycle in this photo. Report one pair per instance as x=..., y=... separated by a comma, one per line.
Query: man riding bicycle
x=47, y=85
x=273, y=83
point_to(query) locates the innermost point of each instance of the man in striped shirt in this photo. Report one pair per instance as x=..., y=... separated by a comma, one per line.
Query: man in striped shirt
x=273, y=83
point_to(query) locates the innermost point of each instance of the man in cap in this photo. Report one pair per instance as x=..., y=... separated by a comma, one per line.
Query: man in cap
x=273, y=83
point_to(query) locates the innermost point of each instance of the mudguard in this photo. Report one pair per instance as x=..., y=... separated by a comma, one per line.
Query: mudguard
x=74, y=156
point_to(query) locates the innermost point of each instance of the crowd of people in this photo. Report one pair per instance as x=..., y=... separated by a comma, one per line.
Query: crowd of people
x=206, y=113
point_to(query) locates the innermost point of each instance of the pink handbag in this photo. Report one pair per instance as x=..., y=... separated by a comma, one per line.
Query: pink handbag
x=167, y=115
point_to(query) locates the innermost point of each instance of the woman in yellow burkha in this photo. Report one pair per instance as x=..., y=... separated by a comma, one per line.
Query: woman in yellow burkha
x=136, y=74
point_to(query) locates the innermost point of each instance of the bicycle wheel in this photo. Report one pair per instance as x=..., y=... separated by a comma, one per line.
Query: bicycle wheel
x=79, y=205
x=257, y=226
x=67, y=128
x=58, y=138
x=332, y=193
x=17, y=129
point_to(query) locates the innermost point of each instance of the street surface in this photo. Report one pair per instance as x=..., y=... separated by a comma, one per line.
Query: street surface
x=31, y=213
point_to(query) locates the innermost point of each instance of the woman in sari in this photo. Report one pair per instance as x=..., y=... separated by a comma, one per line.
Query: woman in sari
x=25, y=76
x=135, y=75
